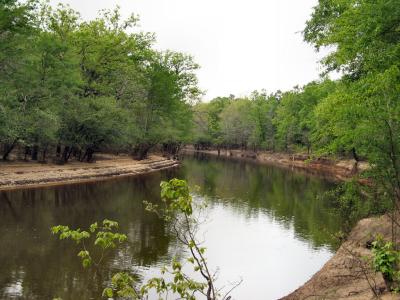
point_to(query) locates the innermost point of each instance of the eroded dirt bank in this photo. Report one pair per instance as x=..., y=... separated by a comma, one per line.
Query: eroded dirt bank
x=16, y=175
x=348, y=275
x=338, y=169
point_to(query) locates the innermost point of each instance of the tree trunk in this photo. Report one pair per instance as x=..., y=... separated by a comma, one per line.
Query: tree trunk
x=58, y=151
x=8, y=149
x=69, y=153
x=35, y=152
x=141, y=151
x=65, y=154
x=170, y=149
x=26, y=152
x=89, y=154
x=44, y=154
x=84, y=155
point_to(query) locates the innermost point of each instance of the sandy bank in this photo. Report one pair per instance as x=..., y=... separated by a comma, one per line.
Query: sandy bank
x=16, y=175
x=347, y=275
x=338, y=169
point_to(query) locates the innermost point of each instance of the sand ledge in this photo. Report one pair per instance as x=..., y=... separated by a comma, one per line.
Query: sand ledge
x=18, y=175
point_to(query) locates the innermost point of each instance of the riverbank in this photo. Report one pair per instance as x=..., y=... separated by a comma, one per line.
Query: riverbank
x=347, y=275
x=17, y=175
x=338, y=169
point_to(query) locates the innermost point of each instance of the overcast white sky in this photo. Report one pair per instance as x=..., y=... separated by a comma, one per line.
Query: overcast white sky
x=241, y=45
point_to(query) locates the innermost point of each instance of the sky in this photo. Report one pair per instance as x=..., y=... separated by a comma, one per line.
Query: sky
x=240, y=45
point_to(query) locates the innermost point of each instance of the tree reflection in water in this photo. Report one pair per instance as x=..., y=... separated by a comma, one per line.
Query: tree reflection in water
x=35, y=265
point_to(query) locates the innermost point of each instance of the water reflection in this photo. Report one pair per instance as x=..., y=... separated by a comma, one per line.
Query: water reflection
x=288, y=196
x=34, y=265
x=256, y=212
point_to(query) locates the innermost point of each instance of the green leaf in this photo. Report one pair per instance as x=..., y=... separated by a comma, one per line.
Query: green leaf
x=108, y=292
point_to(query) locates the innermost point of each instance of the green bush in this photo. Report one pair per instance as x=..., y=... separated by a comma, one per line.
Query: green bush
x=386, y=260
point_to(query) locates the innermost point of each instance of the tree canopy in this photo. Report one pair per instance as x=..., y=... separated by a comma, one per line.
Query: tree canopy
x=75, y=87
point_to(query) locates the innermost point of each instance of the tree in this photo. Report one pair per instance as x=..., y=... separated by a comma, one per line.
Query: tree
x=295, y=120
x=177, y=209
x=172, y=86
x=263, y=113
x=207, y=123
x=236, y=123
x=364, y=34
x=89, y=124
x=364, y=113
x=15, y=28
x=80, y=87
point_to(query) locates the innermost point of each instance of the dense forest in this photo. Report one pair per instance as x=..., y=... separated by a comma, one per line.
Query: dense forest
x=357, y=116
x=70, y=88
x=282, y=121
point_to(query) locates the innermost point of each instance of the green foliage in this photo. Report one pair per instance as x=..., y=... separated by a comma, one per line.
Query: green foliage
x=207, y=122
x=353, y=201
x=365, y=34
x=362, y=115
x=175, y=193
x=355, y=116
x=104, y=237
x=233, y=123
x=386, y=259
x=121, y=287
x=177, y=210
x=66, y=233
x=88, y=85
x=347, y=202
x=181, y=284
x=295, y=119
x=263, y=112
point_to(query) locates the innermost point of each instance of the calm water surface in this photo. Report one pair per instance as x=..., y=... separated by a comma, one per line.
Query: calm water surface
x=265, y=225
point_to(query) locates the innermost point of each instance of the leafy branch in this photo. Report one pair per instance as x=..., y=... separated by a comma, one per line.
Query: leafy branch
x=105, y=238
x=177, y=209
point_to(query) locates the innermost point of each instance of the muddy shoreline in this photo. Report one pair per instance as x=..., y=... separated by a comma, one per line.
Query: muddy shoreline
x=342, y=277
x=340, y=170
x=22, y=175
x=346, y=275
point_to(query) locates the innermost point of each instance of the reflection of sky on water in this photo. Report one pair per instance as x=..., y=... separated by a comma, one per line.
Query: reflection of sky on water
x=14, y=289
x=264, y=225
x=266, y=254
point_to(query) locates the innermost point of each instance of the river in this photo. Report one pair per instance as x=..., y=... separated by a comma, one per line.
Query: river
x=265, y=224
